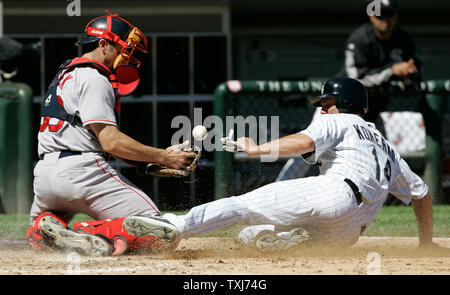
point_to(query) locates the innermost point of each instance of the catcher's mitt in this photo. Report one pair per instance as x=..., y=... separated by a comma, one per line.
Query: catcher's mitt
x=158, y=170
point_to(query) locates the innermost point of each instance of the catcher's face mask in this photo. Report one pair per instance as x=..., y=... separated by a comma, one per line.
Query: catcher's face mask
x=116, y=29
x=136, y=40
x=127, y=74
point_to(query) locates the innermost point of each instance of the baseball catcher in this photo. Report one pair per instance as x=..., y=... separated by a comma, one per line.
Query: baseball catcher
x=79, y=131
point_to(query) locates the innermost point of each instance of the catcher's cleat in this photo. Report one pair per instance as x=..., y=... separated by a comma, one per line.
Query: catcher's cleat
x=272, y=242
x=39, y=241
x=65, y=238
x=156, y=226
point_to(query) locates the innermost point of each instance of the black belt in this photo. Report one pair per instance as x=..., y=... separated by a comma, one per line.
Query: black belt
x=355, y=190
x=63, y=154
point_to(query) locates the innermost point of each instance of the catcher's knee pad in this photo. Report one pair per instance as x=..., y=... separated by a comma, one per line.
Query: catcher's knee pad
x=122, y=241
x=34, y=236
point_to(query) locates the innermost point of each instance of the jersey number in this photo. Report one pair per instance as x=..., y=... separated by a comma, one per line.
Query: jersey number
x=387, y=167
x=46, y=120
x=51, y=128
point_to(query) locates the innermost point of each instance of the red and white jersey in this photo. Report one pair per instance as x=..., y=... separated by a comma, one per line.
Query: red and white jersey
x=86, y=92
x=349, y=147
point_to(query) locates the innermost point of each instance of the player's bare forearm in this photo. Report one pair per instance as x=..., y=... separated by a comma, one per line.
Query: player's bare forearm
x=117, y=143
x=424, y=215
x=287, y=146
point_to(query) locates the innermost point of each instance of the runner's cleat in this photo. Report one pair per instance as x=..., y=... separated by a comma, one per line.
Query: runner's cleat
x=272, y=242
x=140, y=226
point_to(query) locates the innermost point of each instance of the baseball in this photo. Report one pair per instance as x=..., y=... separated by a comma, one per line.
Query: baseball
x=199, y=132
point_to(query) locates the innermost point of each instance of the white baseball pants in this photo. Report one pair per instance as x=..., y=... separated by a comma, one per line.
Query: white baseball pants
x=323, y=205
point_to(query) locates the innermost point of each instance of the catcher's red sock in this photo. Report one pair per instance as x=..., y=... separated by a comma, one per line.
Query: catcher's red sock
x=34, y=236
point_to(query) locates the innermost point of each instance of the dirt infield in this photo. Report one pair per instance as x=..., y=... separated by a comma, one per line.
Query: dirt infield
x=225, y=256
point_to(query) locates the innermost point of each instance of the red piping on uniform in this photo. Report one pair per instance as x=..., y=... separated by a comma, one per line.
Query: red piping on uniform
x=61, y=84
x=99, y=121
x=145, y=199
x=60, y=101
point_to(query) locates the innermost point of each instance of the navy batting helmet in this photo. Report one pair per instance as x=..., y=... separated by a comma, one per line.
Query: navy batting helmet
x=351, y=95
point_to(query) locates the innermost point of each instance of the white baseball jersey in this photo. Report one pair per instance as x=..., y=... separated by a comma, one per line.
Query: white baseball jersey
x=83, y=183
x=82, y=91
x=346, y=147
x=352, y=148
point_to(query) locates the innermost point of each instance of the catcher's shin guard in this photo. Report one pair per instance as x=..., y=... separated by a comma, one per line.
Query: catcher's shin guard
x=39, y=241
x=135, y=233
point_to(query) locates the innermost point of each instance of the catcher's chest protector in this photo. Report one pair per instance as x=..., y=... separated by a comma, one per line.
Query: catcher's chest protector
x=52, y=106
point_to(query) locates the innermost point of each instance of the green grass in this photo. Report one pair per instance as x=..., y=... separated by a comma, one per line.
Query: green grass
x=391, y=221
x=401, y=221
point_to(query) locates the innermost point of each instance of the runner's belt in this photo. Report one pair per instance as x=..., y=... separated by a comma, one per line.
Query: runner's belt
x=355, y=190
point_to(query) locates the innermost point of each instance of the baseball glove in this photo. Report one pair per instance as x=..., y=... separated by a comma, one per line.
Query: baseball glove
x=157, y=170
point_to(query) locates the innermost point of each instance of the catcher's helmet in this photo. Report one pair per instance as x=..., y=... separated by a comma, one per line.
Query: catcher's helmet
x=116, y=29
x=351, y=95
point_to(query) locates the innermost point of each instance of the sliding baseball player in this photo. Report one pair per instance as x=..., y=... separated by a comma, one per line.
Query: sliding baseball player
x=358, y=169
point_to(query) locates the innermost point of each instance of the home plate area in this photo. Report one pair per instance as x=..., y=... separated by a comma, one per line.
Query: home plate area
x=226, y=256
